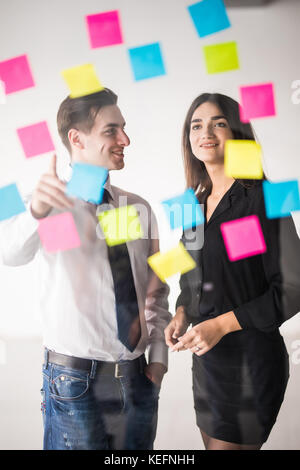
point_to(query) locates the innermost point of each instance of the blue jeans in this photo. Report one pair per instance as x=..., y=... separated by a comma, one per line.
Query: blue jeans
x=89, y=411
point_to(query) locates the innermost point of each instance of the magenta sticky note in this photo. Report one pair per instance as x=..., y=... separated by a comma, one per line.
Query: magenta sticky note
x=257, y=101
x=242, y=115
x=104, y=29
x=243, y=237
x=36, y=139
x=59, y=232
x=16, y=74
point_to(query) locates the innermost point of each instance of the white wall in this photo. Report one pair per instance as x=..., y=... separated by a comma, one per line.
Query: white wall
x=53, y=35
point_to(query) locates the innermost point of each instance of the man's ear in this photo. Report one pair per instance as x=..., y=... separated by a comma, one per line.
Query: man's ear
x=75, y=139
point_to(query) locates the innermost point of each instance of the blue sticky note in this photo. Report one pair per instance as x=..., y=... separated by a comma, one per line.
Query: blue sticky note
x=209, y=16
x=183, y=210
x=10, y=202
x=87, y=182
x=147, y=61
x=281, y=198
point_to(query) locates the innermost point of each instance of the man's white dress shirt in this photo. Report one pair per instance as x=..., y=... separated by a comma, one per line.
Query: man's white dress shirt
x=77, y=300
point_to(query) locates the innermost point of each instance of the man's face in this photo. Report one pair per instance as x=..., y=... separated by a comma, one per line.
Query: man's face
x=104, y=145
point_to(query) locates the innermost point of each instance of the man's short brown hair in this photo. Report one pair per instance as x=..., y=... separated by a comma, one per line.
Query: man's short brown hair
x=80, y=113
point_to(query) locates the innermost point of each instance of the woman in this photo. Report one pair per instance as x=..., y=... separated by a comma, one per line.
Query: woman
x=240, y=363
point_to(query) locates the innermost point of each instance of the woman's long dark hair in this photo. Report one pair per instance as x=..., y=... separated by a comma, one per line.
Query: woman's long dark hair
x=196, y=174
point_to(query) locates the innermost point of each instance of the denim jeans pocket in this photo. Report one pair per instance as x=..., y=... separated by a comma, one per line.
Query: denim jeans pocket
x=67, y=384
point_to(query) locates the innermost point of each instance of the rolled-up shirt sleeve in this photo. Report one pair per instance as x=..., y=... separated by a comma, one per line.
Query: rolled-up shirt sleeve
x=156, y=306
x=19, y=239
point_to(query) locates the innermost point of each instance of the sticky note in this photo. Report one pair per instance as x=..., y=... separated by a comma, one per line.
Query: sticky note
x=82, y=80
x=173, y=261
x=120, y=225
x=281, y=198
x=10, y=202
x=221, y=57
x=104, y=29
x=87, y=182
x=58, y=232
x=209, y=17
x=183, y=210
x=243, y=159
x=16, y=74
x=35, y=139
x=147, y=61
x=243, y=237
x=242, y=115
x=257, y=101
x=2, y=92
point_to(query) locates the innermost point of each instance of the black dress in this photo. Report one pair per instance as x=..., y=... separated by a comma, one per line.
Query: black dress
x=240, y=383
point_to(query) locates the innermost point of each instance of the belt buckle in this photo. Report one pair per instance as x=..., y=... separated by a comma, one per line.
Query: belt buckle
x=117, y=372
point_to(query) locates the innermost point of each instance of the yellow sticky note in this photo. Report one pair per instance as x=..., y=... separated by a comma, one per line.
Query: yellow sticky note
x=221, y=57
x=82, y=80
x=120, y=225
x=242, y=159
x=173, y=261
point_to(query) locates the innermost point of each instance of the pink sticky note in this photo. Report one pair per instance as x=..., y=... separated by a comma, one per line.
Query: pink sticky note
x=257, y=101
x=36, y=139
x=104, y=29
x=243, y=237
x=16, y=74
x=58, y=232
x=242, y=115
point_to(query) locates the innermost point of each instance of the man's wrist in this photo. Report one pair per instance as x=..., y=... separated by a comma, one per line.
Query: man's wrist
x=37, y=216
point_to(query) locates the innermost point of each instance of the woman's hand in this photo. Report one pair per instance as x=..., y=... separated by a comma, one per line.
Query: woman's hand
x=177, y=327
x=204, y=336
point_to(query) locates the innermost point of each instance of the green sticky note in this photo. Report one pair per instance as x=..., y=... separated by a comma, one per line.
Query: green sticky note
x=120, y=225
x=221, y=57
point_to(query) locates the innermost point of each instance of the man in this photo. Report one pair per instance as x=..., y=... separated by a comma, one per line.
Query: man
x=101, y=306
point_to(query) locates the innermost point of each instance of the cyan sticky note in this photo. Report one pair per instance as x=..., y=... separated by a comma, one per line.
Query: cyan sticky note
x=87, y=182
x=59, y=233
x=16, y=74
x=243, y=237
x=104, y=29
x=147, y=61
x=36, y=139
x=183, y=210
x=257, y=101
x=209, y=17
x=281, y=198
x=10, y=202
x=221, y=57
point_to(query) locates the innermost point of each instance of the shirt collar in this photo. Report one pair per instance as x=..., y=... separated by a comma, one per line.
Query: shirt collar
x=109, y=188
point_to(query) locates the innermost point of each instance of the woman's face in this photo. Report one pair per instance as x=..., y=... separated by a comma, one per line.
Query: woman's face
x=209, y=131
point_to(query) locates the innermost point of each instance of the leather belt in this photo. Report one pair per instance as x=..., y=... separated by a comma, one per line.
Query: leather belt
x=116, y=369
